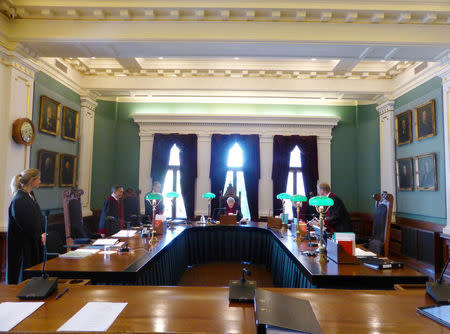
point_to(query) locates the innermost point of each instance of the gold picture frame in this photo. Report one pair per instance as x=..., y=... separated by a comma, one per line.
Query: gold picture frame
x=426, y=176
x=403, y=128
x=405, y=179
x=49, y=116
x=67, y=170
x=70, y=124
x=48, y=162
x=425, y=120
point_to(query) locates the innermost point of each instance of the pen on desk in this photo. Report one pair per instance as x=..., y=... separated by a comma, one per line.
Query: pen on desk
x=59, y=295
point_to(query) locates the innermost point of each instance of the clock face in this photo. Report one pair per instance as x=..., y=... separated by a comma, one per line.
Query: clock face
x=26, y=132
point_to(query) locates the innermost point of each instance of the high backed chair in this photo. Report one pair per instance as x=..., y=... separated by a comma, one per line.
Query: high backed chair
x=379, y=243
x=229, y=192
x=131, y=206
x=76, y=232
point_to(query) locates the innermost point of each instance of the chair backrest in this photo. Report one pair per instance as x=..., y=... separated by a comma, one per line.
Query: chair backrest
x=131, y=204
x=229, y=192
x=382, y=224
x=73, y=215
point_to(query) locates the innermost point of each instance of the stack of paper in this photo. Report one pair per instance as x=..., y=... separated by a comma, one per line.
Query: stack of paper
x=13, y=313
x=93, y=317
x=346, y=240
x=125, y=234
x=362, y=253
x=74, y=255
x=105, y=242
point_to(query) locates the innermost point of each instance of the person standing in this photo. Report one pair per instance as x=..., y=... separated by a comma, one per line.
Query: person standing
x=25, y=226
x=337, y=218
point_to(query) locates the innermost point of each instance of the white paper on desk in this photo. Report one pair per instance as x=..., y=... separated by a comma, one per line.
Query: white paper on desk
x=87, y=250
x=93, y=317
x=362, y=253
x=74, y=255
x=124, y=234
x=12, y=313
x=105, y=242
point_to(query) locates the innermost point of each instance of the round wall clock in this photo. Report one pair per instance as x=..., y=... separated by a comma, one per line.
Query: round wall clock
x=23, y=131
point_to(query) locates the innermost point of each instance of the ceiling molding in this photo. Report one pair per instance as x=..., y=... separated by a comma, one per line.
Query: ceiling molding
x=348, y=12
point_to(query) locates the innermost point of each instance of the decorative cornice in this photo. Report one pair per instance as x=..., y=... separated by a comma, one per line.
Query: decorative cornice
x=385, y=107
x=17, y=61
x=88, y=102
x=228, y=124
x=349, y=13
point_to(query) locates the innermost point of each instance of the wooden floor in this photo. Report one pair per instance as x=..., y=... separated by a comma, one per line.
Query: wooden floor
x=219, y=274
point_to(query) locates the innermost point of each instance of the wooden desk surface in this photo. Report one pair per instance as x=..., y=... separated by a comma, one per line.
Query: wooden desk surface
x=184, y=309
x=142, y=252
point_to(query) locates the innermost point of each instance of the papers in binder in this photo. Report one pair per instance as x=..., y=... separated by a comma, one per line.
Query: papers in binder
x=362, y=253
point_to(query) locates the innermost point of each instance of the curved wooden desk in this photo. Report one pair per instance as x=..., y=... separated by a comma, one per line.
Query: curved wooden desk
x=207, y=310
x=164, y=262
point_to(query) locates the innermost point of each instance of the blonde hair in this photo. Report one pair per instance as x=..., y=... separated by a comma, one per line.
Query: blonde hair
x=324, y=186
x=22, y=179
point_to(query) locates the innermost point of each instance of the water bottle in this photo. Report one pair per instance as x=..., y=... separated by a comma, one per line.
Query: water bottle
x=202, y=220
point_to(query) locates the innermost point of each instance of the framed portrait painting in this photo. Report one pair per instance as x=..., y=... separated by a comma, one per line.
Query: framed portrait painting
x=49, y=116
x=70, y=124
x=403, y=128
x=48, y=166
x=67, y=170
x=425, y=119
x=426, y=178
x=405, y=174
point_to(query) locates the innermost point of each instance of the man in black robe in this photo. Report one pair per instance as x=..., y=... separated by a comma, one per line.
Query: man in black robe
x=337, y=218
x=111, y=219
x=25, y=229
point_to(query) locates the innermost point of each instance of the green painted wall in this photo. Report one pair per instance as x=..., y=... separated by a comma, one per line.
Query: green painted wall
x=424, y=205
x=51, y=198
x=368, y=156
x=116, y=144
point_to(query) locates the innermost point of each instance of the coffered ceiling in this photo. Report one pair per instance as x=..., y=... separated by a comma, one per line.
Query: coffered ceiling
x=353, y=50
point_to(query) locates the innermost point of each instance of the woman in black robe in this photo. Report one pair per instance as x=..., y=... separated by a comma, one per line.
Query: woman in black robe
x=25, y=228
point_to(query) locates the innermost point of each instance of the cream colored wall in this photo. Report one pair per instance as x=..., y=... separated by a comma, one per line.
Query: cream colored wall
x=16, y=94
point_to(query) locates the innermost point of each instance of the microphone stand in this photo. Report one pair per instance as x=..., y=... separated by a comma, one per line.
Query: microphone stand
x=43, y=274
x=126, y=249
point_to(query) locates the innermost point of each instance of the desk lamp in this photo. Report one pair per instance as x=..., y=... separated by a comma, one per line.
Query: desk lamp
x=298, y=200
x=209, y=197
x=283, y=197
x=154, y=199
x=173, y=196
x=322, y=203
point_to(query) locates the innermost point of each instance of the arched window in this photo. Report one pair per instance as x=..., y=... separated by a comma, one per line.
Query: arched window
x=235, y=176
x=172, y=183
x=295, y=179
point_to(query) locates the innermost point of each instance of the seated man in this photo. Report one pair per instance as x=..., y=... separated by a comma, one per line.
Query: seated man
x=111, y=219
x=232, y=208
x=156, y=188
x=337, y=218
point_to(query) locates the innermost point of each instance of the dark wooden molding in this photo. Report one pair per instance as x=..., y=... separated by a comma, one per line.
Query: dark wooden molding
x=419, y=224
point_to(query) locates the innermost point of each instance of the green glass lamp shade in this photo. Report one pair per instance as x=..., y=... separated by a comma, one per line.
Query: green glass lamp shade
x=209, y=195
x=321, y=201
x=283, y=196
x=153, y=196
x=172, y=194
x=298, y=198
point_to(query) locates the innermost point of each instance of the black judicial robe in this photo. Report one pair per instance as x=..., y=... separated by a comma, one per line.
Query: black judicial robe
x=337, y=218
x=111, y=208
x=25, y=229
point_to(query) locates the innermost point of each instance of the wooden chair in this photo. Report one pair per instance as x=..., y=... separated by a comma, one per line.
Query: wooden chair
x=76, y=232
x=131, y=206
x=229, y=192
x=379, y=243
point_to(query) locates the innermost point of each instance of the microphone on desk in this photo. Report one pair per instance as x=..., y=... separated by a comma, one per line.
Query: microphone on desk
x=40, y=287
x=438, y=290
x=126, y=249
